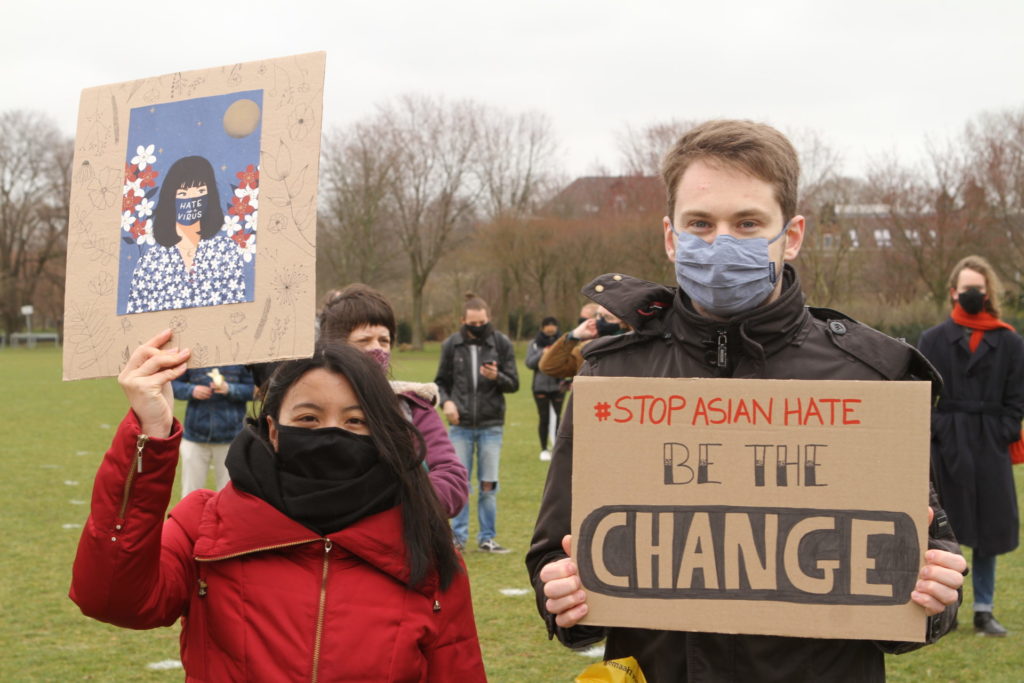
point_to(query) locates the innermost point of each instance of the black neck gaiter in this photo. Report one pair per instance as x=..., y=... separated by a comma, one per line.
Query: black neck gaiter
x=325, y=479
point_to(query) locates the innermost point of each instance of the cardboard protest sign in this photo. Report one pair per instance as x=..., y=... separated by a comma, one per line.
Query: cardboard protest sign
x=173, y=179
x=793, y=508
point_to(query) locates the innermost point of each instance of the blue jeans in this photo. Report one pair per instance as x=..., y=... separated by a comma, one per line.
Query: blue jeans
x=983, y=578
x=486, y=441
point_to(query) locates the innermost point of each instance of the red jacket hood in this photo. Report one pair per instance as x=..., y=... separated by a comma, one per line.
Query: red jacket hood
x=233, y=523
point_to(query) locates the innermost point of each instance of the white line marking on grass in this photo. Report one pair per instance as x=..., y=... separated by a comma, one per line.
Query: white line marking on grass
x=104, y=426
x=70, y=482
x=70, y=526
x=165, y=665
x=596, y=651
x=82, y=452
x=514, y=591
x=50, y=467
x=75, y=501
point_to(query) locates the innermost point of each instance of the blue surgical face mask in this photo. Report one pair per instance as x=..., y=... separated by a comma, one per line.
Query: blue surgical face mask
x=191, y=210
x=727, y=276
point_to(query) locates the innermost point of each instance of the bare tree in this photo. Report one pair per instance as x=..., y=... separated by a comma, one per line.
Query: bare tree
x=432, y=190
x=515, y=167
x=643, y=148
x=928, y=224
x=35, y=161
x=995, y=147
x=356, y=178
x=514, y=162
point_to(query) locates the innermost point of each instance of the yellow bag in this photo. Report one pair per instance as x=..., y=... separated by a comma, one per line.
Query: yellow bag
x=624, y=670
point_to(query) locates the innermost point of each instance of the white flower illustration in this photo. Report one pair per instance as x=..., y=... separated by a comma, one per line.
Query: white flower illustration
x=249, y=250
x=253, y=193
x=145, y=207
x=231, y=225
x=144, y=156
x=250, y=221
x=133, y=186
x=127, y=220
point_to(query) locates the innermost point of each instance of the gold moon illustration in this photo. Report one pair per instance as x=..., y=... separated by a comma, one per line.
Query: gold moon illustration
x=241, y=118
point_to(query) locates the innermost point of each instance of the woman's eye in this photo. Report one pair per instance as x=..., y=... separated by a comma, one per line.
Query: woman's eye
x=700, y=225
x=748, y=225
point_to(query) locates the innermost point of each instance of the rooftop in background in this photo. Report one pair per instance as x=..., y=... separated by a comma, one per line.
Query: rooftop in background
x=608, y=195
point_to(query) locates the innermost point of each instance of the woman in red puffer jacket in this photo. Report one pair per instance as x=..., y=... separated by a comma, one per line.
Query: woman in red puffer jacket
x=326, y=558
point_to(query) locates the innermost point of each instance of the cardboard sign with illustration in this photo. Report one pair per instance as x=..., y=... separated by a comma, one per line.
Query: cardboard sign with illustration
x=794, y=508
x=174, y=178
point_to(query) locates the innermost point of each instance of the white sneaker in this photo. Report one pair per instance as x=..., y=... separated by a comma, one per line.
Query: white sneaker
x=545, y=455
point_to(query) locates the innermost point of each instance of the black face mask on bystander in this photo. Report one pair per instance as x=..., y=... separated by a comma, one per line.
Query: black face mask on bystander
x=972, y=300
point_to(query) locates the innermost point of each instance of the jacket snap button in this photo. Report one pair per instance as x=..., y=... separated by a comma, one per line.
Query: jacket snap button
x=837, y=327
x=599, y=288
x=617, y=278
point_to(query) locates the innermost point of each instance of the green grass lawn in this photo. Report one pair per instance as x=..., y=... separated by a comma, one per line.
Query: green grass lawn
x=53, y=436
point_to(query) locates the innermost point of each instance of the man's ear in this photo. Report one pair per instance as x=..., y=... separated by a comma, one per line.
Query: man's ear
x=794, y=237
x=272, y=432
x=670, y=238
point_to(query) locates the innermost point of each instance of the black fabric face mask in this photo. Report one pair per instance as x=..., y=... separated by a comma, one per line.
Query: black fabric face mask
x=604, y=327
x=325, y=479
x=331, y=453
x=971, y=300
x=477, y=331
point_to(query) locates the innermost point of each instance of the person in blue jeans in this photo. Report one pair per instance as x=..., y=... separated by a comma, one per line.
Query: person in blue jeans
x=477, y=369
x=214, y=415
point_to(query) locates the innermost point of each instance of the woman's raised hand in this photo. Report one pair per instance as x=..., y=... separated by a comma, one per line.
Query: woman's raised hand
x=146, y=381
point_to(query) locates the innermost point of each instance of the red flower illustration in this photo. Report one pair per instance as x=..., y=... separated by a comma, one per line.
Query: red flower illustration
x=240, y=238
x=240, y=206
x=139, y=229
x=148, y=177
x=129, y=173
x=129, y=202
x=250, y=177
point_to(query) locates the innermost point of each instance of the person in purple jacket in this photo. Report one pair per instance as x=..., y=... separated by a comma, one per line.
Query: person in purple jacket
x=362, y=316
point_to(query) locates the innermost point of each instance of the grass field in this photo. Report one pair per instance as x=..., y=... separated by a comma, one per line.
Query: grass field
x=53, y=435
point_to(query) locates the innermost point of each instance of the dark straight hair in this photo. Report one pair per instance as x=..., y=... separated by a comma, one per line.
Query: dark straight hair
x=352, y=307
x=427, y=536
x=184, y=173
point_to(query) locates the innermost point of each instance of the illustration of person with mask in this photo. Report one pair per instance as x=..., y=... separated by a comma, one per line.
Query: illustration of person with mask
x=476, y=370
x=739, y=311
x=193, y=263
x=981, y=360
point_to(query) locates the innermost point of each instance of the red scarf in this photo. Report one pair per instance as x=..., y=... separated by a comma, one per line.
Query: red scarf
x=979, y=323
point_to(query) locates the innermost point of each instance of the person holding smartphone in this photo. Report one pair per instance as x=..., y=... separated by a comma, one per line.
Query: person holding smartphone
x=477, y=369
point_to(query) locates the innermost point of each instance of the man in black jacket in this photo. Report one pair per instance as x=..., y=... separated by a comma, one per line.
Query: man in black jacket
x=477, y=369
x=738, y=312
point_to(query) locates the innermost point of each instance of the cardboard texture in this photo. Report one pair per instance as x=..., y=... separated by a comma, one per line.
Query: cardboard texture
x=794, y=508
x=174, y=178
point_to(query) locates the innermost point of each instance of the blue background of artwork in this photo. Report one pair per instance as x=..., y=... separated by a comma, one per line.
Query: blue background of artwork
x=181, y=129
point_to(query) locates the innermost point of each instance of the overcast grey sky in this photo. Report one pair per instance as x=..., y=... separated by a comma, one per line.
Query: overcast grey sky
x=872, y=77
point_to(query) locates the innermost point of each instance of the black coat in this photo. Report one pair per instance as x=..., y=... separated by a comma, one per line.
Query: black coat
x=782, y=340
x=975, y=422
x=481, y=401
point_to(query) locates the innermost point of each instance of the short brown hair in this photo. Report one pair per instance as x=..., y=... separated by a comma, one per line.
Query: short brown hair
x=475, y=303
x=993, y=285
x=350, y=308
x=753, y=148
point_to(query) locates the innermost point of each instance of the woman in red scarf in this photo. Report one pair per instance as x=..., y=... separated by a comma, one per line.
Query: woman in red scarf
x=981, y=360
